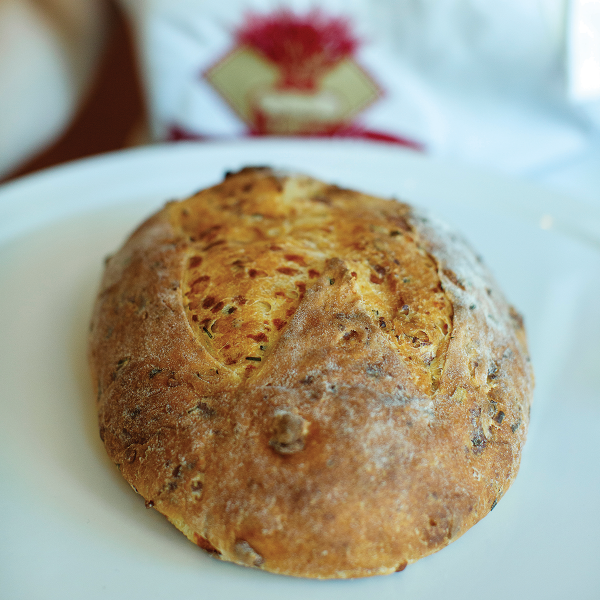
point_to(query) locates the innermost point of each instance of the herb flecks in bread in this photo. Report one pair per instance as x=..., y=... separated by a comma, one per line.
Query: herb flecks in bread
x=309, y=380
x=256, y=248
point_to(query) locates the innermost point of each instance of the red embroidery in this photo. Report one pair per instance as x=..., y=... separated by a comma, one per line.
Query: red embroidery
x=303, y=47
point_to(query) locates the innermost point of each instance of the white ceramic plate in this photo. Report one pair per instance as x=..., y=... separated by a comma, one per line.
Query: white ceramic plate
x=70, y=527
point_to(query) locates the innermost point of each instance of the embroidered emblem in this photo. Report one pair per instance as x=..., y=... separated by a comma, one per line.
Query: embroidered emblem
x=294, y=75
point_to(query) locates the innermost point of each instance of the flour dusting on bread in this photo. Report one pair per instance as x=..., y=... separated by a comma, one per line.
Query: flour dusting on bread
x=309, y=380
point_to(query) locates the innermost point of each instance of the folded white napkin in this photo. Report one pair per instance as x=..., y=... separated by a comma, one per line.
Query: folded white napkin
x=507, y=84
x=513, y=85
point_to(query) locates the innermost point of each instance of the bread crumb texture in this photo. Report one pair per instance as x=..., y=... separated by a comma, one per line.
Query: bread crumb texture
x=306, y=379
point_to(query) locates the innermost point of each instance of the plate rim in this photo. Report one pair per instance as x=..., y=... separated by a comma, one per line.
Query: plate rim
x=22, y=208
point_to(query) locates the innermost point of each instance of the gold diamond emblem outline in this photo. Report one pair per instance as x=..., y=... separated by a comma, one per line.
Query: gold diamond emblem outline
x=248, y=83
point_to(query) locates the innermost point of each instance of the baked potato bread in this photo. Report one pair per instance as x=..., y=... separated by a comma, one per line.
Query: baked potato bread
x=307, y=379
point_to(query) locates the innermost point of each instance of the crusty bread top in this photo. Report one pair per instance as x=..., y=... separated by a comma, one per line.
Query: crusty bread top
x=308, y=379
x=276, y=245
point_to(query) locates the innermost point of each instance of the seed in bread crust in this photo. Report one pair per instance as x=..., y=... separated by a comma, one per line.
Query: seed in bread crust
x=247, y=555
x=289, y=431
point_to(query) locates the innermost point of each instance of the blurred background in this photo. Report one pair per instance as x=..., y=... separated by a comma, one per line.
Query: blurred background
x=511, y=86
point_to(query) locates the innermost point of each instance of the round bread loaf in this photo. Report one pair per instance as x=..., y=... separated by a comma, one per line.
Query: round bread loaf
x=307, y=379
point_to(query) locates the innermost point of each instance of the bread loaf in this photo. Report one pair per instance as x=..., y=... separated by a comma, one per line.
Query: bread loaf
x=307, y=379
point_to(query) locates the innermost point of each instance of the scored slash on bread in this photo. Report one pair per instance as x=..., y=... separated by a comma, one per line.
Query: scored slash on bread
x=307, y=379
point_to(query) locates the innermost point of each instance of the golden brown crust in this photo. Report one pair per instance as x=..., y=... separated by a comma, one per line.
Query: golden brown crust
x=307, y=379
